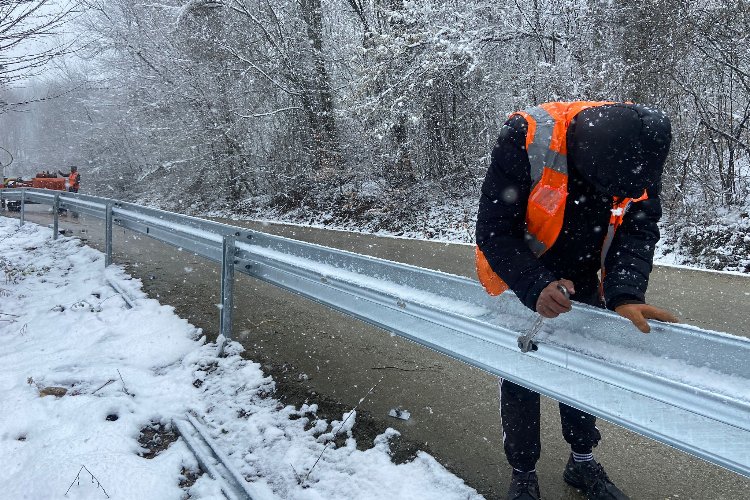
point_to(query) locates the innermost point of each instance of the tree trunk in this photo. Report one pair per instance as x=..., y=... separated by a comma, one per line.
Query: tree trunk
x=318, y=101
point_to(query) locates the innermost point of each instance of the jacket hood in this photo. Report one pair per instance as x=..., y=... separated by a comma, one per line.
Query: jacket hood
x=620, y=148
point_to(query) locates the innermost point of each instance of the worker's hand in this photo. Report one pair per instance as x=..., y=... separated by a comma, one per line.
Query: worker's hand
x=552, y=302
x=639, y=313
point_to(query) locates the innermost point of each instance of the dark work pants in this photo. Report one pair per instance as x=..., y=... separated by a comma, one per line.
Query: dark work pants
x=519, y=410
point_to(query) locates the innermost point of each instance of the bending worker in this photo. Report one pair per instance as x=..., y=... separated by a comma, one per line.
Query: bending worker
x=573, y=189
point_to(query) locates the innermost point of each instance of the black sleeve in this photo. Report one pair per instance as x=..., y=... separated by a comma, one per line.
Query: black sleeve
x=631, y=256
x=502, y=212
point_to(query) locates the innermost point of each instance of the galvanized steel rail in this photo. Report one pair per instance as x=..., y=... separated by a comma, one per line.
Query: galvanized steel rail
x=683, y=386
x=212, y=459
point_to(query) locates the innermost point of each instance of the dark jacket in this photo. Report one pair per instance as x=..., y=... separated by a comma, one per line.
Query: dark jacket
x=577, y=252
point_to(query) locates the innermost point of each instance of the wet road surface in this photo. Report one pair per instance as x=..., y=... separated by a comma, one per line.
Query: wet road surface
x=454, y=408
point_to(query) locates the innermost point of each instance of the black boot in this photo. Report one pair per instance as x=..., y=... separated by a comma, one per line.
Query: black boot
x=524, y=486
x=592, y=480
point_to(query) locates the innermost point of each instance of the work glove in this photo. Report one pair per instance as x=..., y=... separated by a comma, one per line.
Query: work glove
x=552, y=302
x=639, y=313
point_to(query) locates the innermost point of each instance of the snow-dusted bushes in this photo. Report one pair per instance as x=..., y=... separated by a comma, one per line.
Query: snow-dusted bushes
x=721, y=245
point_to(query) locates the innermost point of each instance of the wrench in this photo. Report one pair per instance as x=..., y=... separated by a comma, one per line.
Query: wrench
x=525, y=341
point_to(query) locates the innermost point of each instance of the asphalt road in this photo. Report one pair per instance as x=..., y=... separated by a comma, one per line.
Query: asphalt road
x=454, y=408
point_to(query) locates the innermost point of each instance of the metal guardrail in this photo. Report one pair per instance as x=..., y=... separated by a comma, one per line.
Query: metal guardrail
x=683, y=386
x=212, y=459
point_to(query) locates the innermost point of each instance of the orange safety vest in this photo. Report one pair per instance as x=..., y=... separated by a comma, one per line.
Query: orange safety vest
x=73, y=180
x=547, y=151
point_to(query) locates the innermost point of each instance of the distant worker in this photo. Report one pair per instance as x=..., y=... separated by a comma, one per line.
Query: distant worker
x=573, y=189
x=74, y=179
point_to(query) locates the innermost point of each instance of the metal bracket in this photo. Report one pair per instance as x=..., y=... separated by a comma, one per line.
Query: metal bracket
x=23, y=207
x=56, y=217
x=108, y=235
x=228, y=255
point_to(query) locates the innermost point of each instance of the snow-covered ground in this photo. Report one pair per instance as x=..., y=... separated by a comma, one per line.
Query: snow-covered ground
x=90, y=386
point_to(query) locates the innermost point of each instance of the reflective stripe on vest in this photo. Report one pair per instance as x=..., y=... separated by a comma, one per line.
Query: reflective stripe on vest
x=547, y=152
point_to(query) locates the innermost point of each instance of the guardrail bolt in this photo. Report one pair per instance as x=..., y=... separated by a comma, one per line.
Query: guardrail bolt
x=248, y=266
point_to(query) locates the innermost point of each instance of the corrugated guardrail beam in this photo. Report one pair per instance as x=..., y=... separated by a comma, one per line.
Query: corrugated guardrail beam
x=682, y=386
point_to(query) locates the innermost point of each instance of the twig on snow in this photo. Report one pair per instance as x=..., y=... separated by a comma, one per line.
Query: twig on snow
x=78, y=480
x=341, y=426
x=105, y=384
x=123, y=385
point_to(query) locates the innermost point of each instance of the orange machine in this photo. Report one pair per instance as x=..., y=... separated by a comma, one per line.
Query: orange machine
x=42, y=180
x=47, y=181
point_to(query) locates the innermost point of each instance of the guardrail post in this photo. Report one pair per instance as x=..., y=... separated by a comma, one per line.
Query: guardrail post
x=108, y=235
x=56, y=217
x=23, y=206
x=227, y=286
